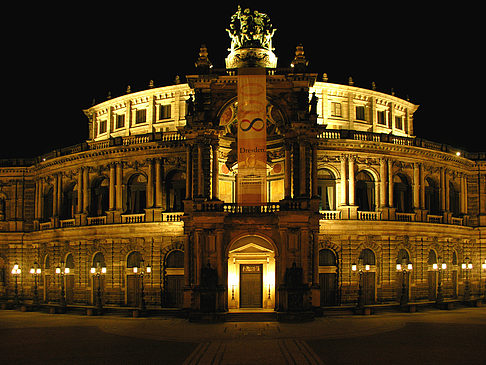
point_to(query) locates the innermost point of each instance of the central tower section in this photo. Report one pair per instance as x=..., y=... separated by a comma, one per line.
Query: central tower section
x=251, y=40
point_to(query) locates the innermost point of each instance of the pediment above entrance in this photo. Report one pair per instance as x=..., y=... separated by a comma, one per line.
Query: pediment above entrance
x=251, y=248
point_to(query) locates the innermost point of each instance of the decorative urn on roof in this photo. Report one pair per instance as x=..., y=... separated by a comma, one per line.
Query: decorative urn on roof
x=251, y=40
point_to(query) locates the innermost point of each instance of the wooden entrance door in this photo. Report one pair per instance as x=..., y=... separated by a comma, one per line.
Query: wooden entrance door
x=369, y=287
x=328, y=284
x=432, y=285
x=69, y=288
x=251, y=286
x=174, y=292
x=133, y=291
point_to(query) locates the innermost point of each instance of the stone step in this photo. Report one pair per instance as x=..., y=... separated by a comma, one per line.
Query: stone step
x=251, y=317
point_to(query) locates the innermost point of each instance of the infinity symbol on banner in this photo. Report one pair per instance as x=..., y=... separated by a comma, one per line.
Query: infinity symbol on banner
x=256, y=124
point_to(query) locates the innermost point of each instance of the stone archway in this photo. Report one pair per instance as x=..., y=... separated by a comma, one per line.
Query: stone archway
x=251, y=273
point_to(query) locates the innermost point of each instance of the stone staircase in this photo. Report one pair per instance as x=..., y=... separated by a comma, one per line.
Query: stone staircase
x=249, y=316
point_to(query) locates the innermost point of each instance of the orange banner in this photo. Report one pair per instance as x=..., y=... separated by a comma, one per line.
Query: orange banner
x=252, y=137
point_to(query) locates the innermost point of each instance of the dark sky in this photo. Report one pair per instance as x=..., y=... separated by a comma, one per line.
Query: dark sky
x=61, y=57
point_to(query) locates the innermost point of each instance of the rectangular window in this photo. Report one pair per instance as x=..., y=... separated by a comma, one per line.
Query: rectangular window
x=120, y=120
x=165, y=112
x=360, y=113
x=336, y=110
x=102, y=126
x=381, y=117
x=398, y=123
x=140, y=116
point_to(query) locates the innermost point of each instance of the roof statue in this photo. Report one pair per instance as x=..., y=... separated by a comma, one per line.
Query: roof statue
x=251, y=35
x=251, y=30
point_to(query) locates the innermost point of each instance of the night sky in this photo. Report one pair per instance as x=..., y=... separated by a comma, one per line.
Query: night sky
x=61, y=57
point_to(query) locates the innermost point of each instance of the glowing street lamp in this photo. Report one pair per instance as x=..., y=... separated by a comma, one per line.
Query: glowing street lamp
x=141, y=271
x=16, y=271
x=360, y=268
x=36, y=271
x=440, y=268
x=467, y=266
x=405, y=267
x=61, y=271
x=98, y=271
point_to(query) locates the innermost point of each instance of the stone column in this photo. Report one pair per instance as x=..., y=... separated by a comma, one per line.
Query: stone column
x=464, y=194
x=390, y=183
x=383, y=179
x=158, y=184
x=288, y=172
x=55, y=196
x=79, y=207
x=302, y=169
x=343, y=180
x=314, y=170
x=118, y=188
x=188, y=173
x=221, y=260
x=85, y=190
x=416, y=186
x=112, y=187
x=442, y=189
x=422, y=186
x=200, y=173
x=215, y=176
x=150, y=183
x=351, y=160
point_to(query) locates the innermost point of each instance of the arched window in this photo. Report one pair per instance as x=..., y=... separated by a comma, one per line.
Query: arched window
x=137, y=194
x=365, y=192
x=175, y=191
x=99, y=197
x=99, y=260
x=367, y=257
x=403, y=257
x=175, y=259
x=327, y=258
x=453, y=200
x=70, y=261
x=402, y=194
x=432, y=196
x=134, y=259
x=47, y=203
x=432, y=259
x=3, y=207
x=326, y=189
x=69, y=201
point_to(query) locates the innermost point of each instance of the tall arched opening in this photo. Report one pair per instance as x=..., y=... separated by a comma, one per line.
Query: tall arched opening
x=251, y=273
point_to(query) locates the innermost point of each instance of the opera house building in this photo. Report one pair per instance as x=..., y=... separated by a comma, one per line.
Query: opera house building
x=252, y=187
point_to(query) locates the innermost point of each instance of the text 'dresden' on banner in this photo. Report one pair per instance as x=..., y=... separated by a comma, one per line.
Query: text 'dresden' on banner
x=252, y=137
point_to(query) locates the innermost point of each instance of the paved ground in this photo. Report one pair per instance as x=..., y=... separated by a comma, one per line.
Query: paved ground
x=432, y=337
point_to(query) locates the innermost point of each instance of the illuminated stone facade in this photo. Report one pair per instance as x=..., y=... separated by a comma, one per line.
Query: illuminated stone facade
x=348, y=183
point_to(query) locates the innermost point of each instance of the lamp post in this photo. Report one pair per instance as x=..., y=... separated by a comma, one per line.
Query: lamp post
x=36, y=271
x=61, y=271
x=439, y=267
x=98, y=271
x=483, y=266
x=141, y=271
x=360, y=269
x=405, y=268
x=467, y=266
x=16, y=271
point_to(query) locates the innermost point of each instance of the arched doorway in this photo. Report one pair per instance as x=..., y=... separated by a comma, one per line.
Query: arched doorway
x=365, y=191
x=136, y=194
x=328, y=281
x=174, y=279
x=368, y=277
x=134, y=259
x=251, y=273
x=98, y=261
